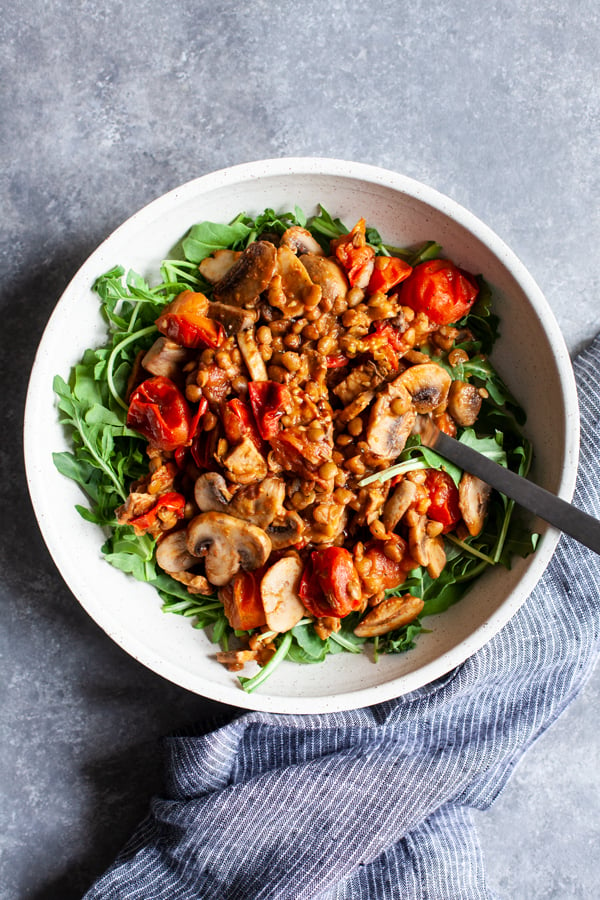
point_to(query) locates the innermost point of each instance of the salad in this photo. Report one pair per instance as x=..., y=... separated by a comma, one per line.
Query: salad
x=248, y=436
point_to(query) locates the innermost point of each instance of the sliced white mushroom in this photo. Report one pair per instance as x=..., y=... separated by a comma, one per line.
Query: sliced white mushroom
x=211, y=493
x=419, y=541
x=398, y=504
x=473, y=498
x=234, y=319
x=428, y=384
x=244, y=464
x=327, y=274
x=279, y=592
x=260, y=503
x=285, y=530
x=300, y=241
x=249, y=276
x=390, y=421
x=392, y=613
x=214, y=268
x=164, y=357
x=251, y=354
x=172, y=553
x=464, y=403
x=227, y=545
x=437, y=556
x=291, y=289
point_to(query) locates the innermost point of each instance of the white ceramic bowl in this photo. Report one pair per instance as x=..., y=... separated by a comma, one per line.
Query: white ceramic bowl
x=531, y=355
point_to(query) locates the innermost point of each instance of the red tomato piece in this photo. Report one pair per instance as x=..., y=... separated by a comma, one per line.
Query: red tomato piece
x=388, y=271
x=269, y=401
x=242, y=601
x=159, y=411
x=386, y=573
x=238, y=423
x=330, y=585
x=171, y=502
x=355, y=255
x=336, y=362
x=184, y=321
x=439, y=289
x=443, y=496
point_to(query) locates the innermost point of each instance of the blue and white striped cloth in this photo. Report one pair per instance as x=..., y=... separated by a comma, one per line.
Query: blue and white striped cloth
x=375, y=803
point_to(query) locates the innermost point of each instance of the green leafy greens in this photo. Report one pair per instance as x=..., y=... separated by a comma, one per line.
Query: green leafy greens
x=106, y=456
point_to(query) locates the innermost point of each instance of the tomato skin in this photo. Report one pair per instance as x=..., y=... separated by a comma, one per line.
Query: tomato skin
x=159, y=411
x=387, y=273
x=242, y=601
x=171, y=501
x=239, y=423
x=184, y=322
x=443, y=496
x=269, y=401
x=439, y=289
x=355, y=255
x=330, y=585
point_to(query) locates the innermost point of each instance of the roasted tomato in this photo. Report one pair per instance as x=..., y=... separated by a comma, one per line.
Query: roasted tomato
x=269, y=402
x=355, y=255
x=388, y=271
x=159, y=411
x=238, y=423
x=439, y=289
x=443, y=497
x=330, y=585
x=242, y=601
x=385, y=573
x=170, y=503
x=184, y=321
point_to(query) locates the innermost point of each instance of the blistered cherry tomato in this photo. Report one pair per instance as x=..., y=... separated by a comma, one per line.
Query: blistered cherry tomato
x=388, y=271
x=242, y=601
x=168, y=502
x=439, y=289
x=355, y=255
x=159, y=411
x=443, y=497
x=269, y=402
x=238, y=423
x=330, y=585
x=184, y=321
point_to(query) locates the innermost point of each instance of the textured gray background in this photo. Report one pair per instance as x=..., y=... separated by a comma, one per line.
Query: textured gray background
x=106, y=106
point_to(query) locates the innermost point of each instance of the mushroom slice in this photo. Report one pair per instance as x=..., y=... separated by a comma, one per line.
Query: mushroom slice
x=428, y=384
x=227, y=545
x=419, y=541
x=464, y=403
x=292, y=289
x=473, y=497
x=279, y=593
x=391, y=421
x=164, y=357
x=214, y=268
x=260, y=503
x=234, y=319
x=327, y=274
x=245, y=464
x=286, y=530
x=398, y=504
x=437, y=557
x=300, y=241
x=211, y=493
x=254, y=361
x=249, y=276
x=172, y=554
x=391, y=613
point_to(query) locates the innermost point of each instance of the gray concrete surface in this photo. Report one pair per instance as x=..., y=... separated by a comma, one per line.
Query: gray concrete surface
x=105, y=106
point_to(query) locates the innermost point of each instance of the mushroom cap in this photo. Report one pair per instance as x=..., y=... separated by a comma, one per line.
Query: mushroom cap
x=279, y=593
x=464, y=403
x=249, y=276
x=428, y=384
x=172, y=554
x=300, y=241
x=327, y=274
x=473, y=498
x=227, y=544
x=211, y=492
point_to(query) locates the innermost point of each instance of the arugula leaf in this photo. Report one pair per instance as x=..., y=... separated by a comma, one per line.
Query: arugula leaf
x=206, y=237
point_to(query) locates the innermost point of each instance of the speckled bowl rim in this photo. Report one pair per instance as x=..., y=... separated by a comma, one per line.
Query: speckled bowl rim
x=446, y=662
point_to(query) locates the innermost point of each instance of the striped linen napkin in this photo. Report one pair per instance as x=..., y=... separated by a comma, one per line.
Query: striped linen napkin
x=375, y=803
